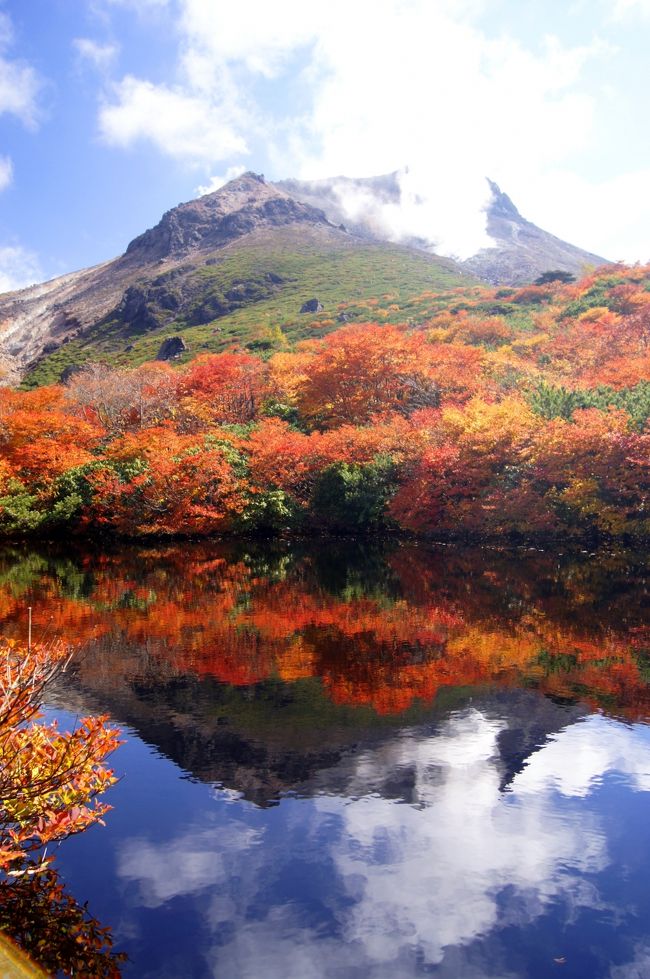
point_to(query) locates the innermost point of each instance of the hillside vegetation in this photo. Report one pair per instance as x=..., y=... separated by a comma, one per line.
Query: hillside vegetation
x=459, y=412
x=251, y=293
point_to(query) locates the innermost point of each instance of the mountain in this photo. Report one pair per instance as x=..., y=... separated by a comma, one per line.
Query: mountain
x=230, y=736
x=521, y=250
x=234, y=266
x=237, y=266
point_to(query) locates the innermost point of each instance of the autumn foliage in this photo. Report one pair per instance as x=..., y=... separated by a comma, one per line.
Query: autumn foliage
x=510, y=411
x=49, y=780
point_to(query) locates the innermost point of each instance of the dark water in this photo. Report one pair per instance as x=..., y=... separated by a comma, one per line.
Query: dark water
x=360, y=761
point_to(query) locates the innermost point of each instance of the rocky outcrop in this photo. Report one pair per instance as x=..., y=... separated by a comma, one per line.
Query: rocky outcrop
x=171, y=347
x=312, y=306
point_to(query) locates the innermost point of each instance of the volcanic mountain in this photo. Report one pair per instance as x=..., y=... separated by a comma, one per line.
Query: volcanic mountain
x=248, y=246
x=242, y=266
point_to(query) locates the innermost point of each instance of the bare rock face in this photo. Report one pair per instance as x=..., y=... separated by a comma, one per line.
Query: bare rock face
x=53, y=311
x=171, y=347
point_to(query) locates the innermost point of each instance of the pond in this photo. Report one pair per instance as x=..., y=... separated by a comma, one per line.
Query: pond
x=359, y=760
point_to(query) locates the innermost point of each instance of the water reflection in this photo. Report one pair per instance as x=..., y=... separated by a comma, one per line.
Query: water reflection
x=451, y=882
x=402, y=761
x=58, y=934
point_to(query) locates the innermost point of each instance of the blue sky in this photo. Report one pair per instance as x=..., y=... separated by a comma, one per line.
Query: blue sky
x=112, y=111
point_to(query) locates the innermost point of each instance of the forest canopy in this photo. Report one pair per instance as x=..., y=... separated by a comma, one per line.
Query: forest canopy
x=482, y=412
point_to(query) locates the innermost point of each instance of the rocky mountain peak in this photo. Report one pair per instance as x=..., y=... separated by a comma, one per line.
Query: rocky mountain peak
x=501, y=205
x=245, y=204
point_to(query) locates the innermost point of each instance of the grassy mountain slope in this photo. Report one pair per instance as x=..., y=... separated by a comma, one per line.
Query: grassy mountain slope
x=231, y=268
x=250, y=292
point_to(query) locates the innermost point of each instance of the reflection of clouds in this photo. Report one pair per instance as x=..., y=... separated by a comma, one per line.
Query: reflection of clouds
x=638, y=968
x=579, y=756
x=406, y=886
x=191, y=863
x=280, y=948
x=432, y=876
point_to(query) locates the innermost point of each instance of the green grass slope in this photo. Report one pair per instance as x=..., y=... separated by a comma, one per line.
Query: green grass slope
x=249, y=294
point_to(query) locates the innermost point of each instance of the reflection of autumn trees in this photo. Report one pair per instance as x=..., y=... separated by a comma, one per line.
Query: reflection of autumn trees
x=57, y=932
x=438, y=619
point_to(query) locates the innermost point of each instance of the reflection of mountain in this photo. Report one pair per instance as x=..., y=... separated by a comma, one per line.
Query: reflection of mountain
x=274, y=737
x=268, y=669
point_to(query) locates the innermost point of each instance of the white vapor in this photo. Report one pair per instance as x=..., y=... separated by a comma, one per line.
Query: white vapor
x=450, y=225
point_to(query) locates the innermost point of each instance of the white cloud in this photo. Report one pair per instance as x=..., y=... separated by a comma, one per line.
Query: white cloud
x=6, y=172
x=19, y=82
x=621, y=9
x=216, y=181
x=178, y=123
x=99, y=55
x=19, y=267
x=259, y=35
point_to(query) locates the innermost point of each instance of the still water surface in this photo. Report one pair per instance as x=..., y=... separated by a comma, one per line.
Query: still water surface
x=360, y=761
